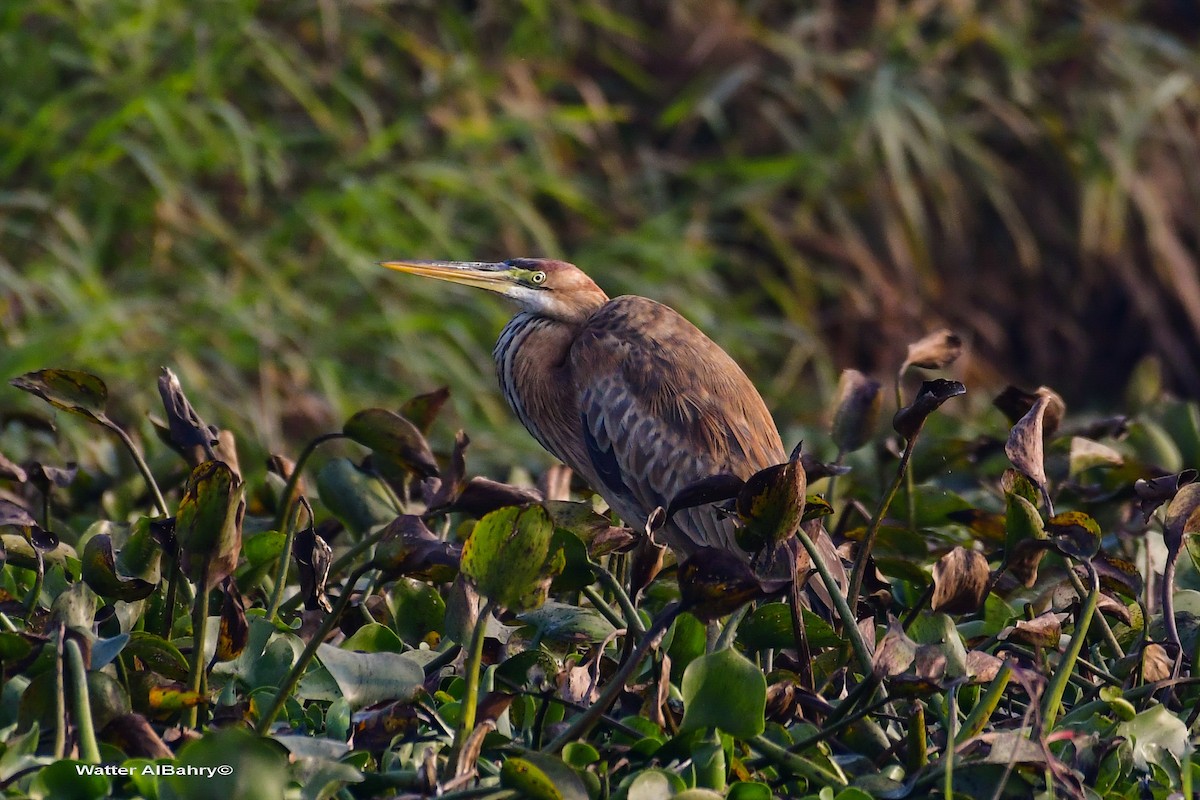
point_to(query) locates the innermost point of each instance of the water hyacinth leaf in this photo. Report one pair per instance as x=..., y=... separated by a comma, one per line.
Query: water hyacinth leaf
x=1016, y=403
x=1013, y=482
x=368, y=678
x=374, y=638
x=481, y=496
x=1043, y=630
x=562, y=622
x=960, y=580
x=67, y=389
x=936, y=350
x=577, y=569
x=257, y=768
x=423, y=409
x=769, y=625
x=507, y=557
x=815, y=507
x=1075, y=534
x=141, y=555
x=15, y=516
x=355, y=497
x=410, y=549
x=1025, y=447
x=895, y=653
x=724, y=690
x=100, y=572
x=1024, y=541
x=1155, y=732
x=938, y=630
x=1153, y=492
x=20, y=551
x=714, y=582
x=985, y=525
x=46, y=477
x=857, y=415
x=1087, y=454
x=1118, y=575
x=771, y=505
x=417, y=609
x=1157, y=665
x=539, y=776
x=1182, y=517
x=393, y=438
x=713, y=489
x=11, y=471
x=932, y=394
x=595, y=530
x=208, y=525
x=184, y=426
x=313, y=560
x=233, y=631
x=157, y=655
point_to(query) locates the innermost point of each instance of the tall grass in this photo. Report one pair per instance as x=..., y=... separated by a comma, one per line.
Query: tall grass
x=209, y=185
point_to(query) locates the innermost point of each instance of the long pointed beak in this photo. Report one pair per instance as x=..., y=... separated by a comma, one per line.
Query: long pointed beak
x=492, y=276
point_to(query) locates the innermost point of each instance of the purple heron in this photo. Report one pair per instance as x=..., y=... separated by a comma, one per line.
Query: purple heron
x=626, y=392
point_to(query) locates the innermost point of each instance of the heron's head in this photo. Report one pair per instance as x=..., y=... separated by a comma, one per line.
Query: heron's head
x=542, y=286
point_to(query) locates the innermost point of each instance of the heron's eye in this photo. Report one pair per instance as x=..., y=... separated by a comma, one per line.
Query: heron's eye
x=538, y=278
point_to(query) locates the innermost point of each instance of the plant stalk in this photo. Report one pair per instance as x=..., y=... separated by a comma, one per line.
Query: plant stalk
x=310, y=650
x=81, y=710
x=474, y=659
x=849, y=623
x=1062, y=675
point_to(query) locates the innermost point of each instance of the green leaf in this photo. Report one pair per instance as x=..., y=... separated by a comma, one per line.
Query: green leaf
x=374, y=638
x=67, y=779
x=1155, y=731
x=77, y=392
x=209, y=523
x=538, y=776
x=392, y=439
x=418, y=610
x=259, y=769
x=355, y=497
x=507, y=557
x=367, y=678
x=770, y=626
x=100, y=572
x=157, y=655
x=726, y=691
x=562, y=622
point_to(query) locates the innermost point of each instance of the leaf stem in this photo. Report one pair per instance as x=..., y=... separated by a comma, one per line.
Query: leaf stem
x=849, y=623
x=142, y=466
x=633, y=619
x=474, y=659
x=868, y=542
x=782, y=757
x=310, y=650
x=1062, y=675
x=285, y=561
x=199, y=634
x=289, y=489
x=584, y=722
x=81, y=710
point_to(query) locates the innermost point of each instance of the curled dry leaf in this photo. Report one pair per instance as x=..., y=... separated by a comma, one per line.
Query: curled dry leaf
x=1153, y=492
x=185, y=428
x=857, y=414
x=1026, y=444
x=960, y=580
x=1043, y=630
x=910, y=419
x=895, y=653
x=1016, y=403
x=1157, y=664
x=11, y=471
x=937, y=350
x=1183, y=516
x=394, y=441
x=410, y=549
x=313, y=558
x=234, y=632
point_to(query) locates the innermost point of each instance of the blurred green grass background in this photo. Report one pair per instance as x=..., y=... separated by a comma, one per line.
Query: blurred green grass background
x=209, y=185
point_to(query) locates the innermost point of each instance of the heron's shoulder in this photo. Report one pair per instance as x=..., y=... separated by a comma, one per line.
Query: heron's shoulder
x=641, y=321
